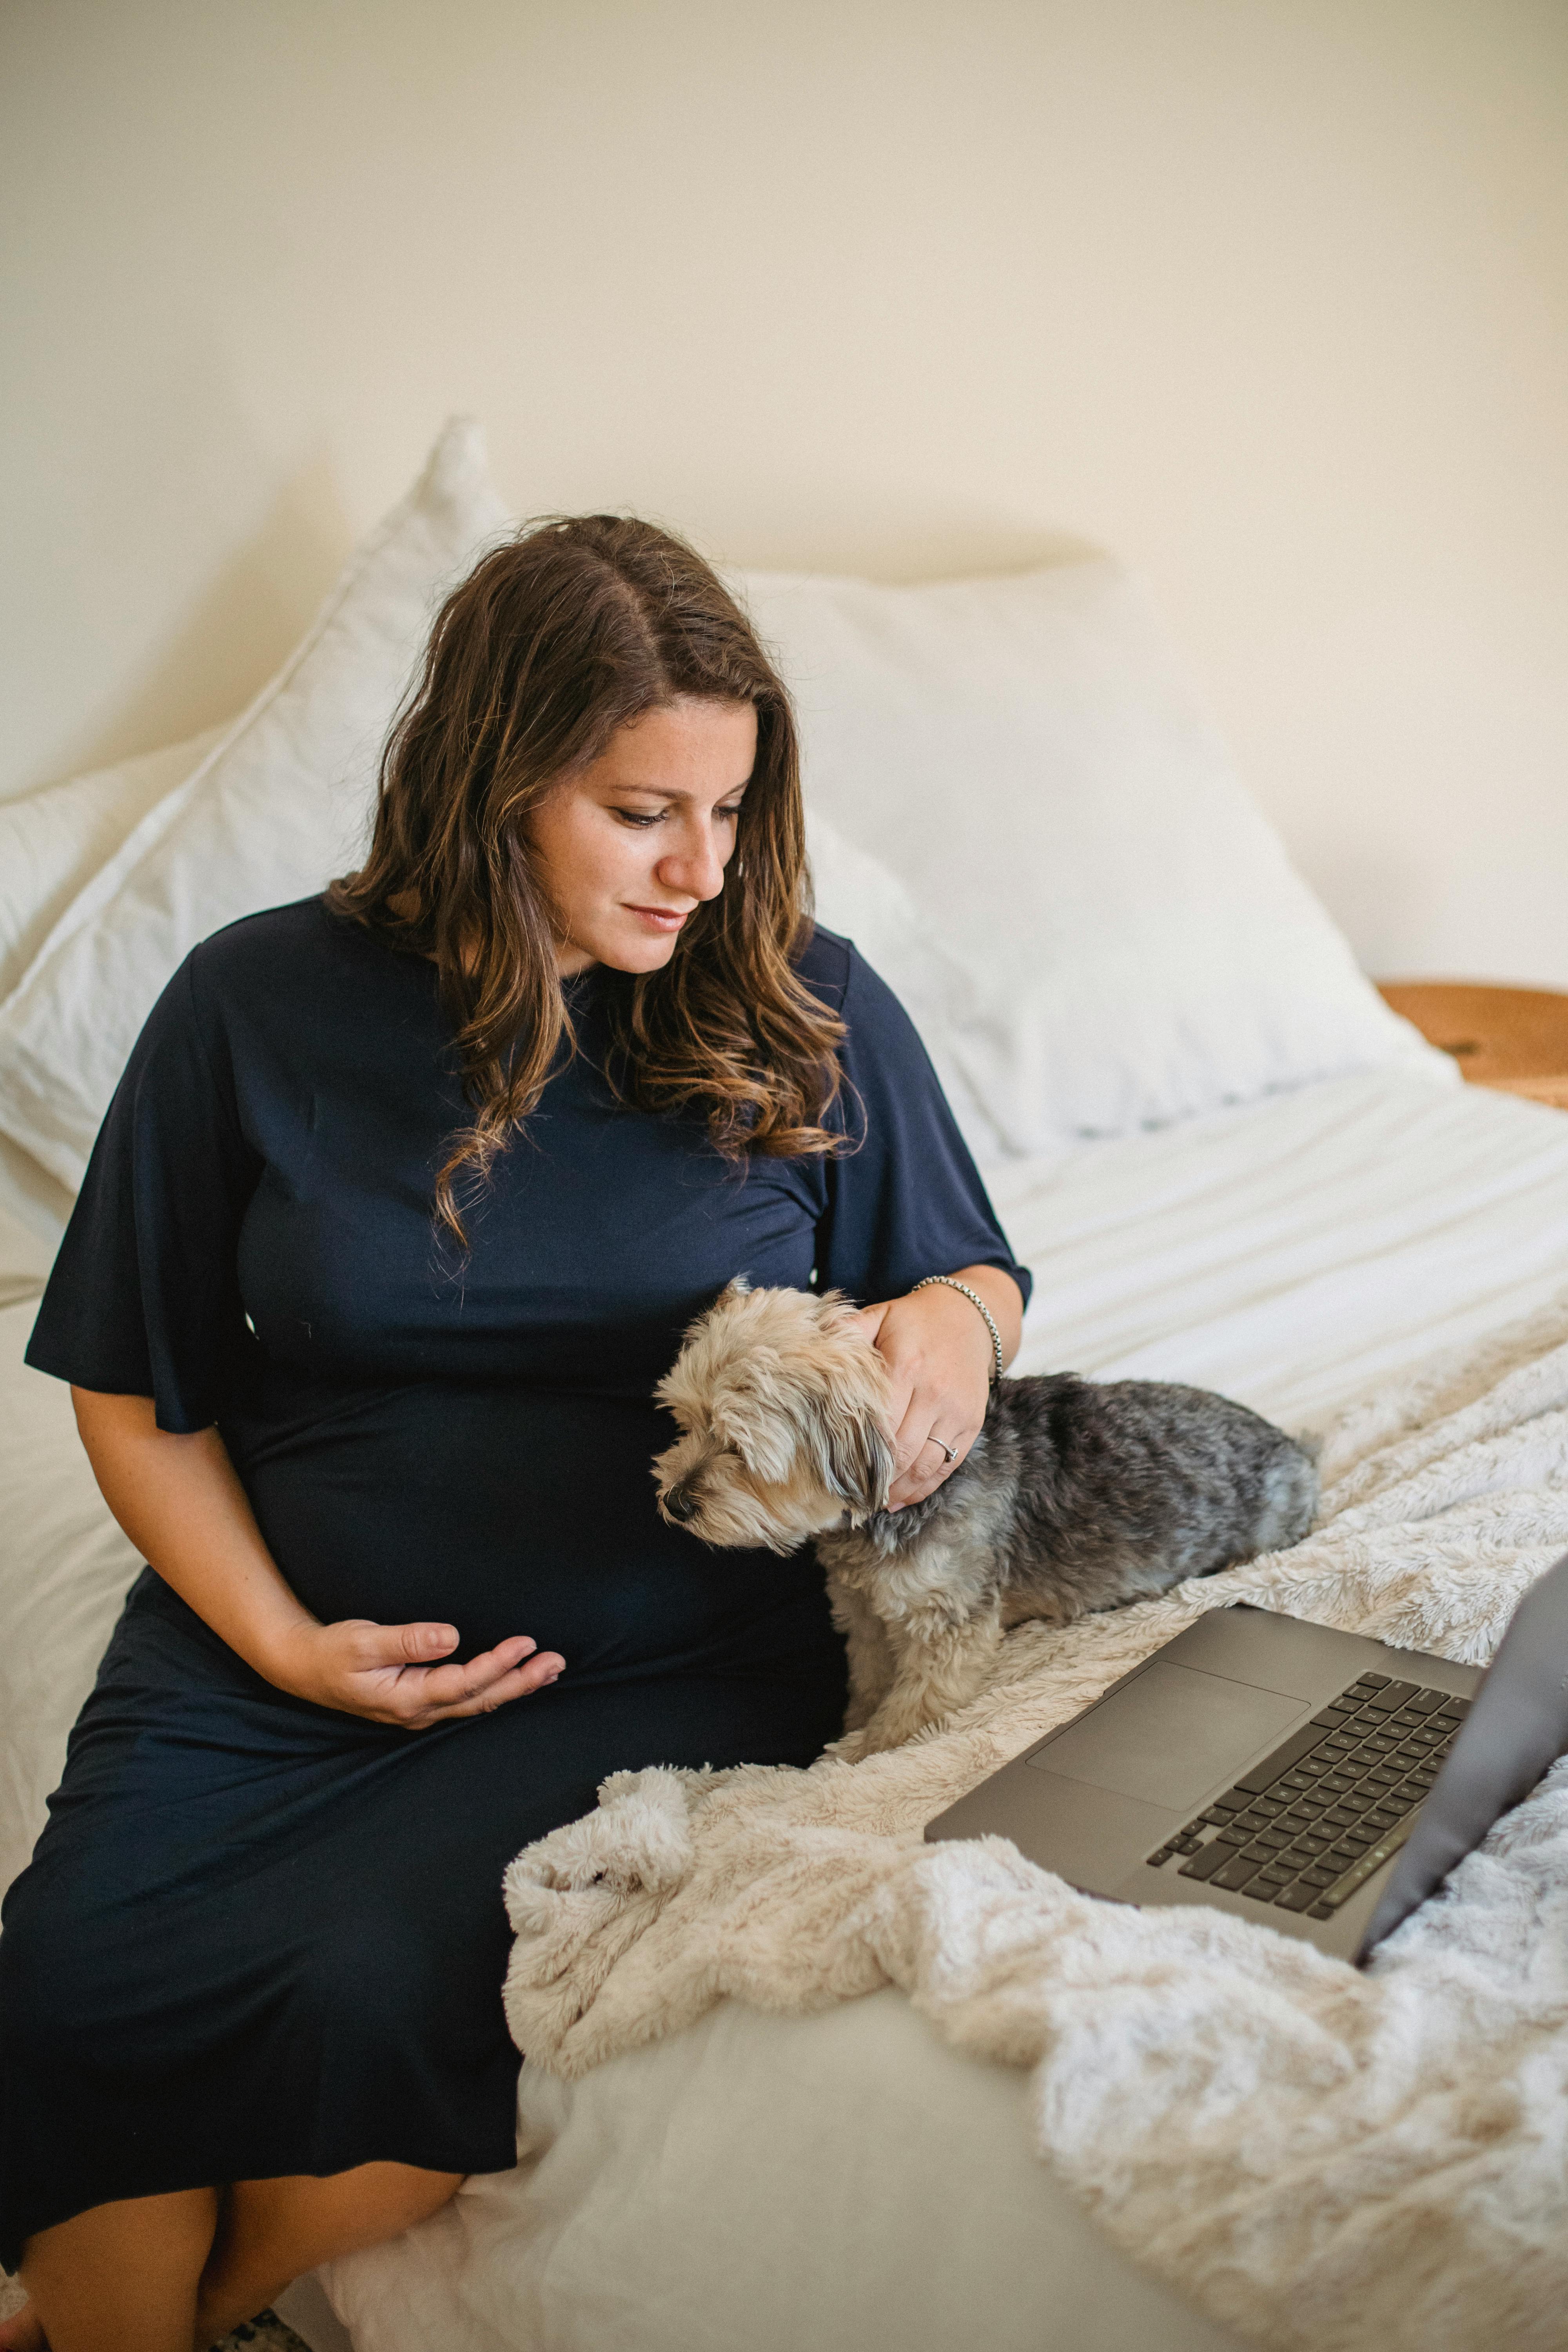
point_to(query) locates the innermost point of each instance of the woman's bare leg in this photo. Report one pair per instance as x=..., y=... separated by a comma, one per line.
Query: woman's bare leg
x=123, y=2275
x=271, y=2230
x=175, y=2274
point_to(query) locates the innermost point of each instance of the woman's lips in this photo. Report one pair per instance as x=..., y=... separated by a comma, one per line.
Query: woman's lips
x=659, y=918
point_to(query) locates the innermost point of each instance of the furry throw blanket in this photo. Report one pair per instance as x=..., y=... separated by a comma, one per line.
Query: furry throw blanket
x=1314, y=2157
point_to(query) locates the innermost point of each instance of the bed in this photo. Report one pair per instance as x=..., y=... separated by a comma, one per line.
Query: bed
x=1224, y=1160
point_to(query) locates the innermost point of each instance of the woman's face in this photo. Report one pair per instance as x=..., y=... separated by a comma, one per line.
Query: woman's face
x=631, y=846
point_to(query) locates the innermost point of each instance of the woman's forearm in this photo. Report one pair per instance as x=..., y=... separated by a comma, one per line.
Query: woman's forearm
x=182, y=1506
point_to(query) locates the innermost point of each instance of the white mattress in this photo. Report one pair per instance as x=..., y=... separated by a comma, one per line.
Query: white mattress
x=760, y=2184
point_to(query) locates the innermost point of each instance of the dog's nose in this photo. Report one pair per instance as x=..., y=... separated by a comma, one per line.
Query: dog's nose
x=680, y=1505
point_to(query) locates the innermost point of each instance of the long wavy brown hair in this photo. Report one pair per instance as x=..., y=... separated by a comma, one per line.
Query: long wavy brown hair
x=565, y=633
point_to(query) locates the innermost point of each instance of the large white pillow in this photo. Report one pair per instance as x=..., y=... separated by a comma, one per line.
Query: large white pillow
x=1131, y=941
x=276, y=807
x=54, y=841
x=857, y=894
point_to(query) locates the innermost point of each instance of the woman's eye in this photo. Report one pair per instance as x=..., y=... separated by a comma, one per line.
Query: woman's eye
x=643, y=818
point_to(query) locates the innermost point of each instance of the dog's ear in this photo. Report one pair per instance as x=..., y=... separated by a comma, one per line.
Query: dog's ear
x=748, y=1419
x=860, y=1462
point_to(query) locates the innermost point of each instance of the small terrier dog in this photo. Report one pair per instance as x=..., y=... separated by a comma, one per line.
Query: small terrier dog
x=1075, y=1494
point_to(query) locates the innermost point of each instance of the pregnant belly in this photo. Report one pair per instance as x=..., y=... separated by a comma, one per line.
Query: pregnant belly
x=509, y=1510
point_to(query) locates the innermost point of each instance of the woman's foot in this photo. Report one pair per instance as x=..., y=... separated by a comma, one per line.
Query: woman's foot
x=22, y=2333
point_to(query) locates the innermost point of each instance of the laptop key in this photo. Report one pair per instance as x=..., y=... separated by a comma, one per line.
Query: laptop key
x=1263, y=1776
x=1236, y=1874
x=1209, y=1859
x=1393, y=1696
x=1295, y=1898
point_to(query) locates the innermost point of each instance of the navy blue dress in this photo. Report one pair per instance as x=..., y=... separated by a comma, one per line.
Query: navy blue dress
x=259, y=1937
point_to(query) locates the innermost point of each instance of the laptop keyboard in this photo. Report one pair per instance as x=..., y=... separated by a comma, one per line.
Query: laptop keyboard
x=1305, y=1828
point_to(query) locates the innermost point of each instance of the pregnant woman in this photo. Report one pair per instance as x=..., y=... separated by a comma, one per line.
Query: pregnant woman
x=399, y=1212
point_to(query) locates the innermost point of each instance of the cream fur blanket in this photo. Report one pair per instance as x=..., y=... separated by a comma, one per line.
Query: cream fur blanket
x=1314, y=2157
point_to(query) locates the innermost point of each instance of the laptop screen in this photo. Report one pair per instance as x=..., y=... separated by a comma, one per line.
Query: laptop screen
x=1516, y=1730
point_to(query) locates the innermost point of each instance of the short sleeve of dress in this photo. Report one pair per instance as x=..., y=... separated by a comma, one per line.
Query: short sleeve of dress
x=144, y=1296
x=906, y=1199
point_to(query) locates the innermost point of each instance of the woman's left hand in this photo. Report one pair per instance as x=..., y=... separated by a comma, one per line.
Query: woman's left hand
x=940, y=1361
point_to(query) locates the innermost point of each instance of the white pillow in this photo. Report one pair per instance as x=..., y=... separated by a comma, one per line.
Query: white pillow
x=276, y=808
x=54, y=841
x=1133, y=943
x=858, y=895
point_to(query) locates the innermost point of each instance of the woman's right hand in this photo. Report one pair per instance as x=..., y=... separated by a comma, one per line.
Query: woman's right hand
x=178, y=1499
x=388, y=1674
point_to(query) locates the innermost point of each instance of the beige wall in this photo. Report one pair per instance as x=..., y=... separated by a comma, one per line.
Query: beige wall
x=1270, y=296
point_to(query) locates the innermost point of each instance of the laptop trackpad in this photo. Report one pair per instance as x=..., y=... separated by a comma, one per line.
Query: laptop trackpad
x=1170, y=1736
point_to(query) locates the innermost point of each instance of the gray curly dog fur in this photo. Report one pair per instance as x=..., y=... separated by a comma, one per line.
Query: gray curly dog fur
x=1077, y=1494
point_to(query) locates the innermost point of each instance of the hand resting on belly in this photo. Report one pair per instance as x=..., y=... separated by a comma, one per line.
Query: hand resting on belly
x=180, y=1502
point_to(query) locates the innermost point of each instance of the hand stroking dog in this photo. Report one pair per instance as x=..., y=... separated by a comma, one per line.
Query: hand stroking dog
x=1075, y=1494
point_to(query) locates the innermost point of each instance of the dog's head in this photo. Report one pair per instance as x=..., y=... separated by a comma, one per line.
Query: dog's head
x=781, y=1400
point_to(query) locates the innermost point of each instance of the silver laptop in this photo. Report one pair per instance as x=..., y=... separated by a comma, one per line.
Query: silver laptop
x=1320, y=1782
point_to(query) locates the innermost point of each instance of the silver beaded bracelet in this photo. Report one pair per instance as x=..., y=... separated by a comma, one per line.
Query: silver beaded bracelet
x=952, y=1281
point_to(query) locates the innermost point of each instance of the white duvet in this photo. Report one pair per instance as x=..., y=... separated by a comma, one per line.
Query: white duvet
x=758, y=2183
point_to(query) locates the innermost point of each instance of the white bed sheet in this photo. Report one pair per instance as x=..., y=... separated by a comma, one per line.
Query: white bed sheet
x=760, y=2183
x=1299, y=1252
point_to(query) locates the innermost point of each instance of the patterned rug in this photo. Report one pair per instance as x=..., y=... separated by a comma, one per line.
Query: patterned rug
x=265, y=2333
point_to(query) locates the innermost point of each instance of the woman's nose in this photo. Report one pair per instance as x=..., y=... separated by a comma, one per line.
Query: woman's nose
x=695, y=867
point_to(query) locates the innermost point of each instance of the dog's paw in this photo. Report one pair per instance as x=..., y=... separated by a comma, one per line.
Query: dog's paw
x=848, y=1748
